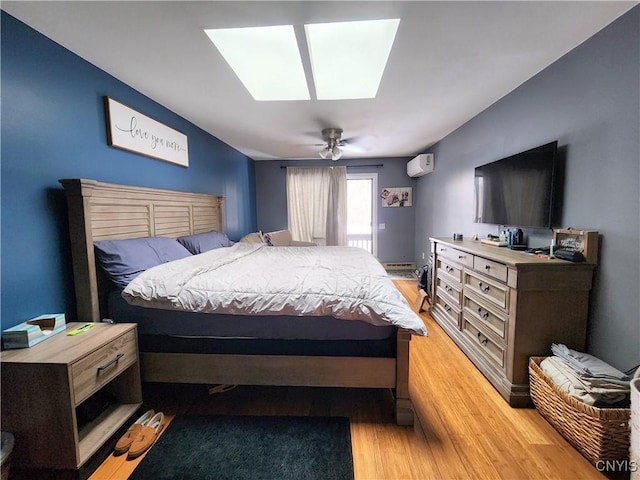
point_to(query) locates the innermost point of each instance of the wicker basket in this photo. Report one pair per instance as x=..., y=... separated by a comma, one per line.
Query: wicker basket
x=597, y=433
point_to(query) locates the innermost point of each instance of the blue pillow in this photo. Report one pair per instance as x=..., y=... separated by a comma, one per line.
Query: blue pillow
x=203, y=242
x=124, y=260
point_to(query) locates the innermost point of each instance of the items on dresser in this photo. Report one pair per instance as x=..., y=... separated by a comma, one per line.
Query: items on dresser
x=569, y=255
x=576, y=245
x=512, y=238
x=502, y=306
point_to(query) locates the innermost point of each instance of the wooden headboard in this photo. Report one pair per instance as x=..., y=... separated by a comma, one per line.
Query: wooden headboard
x=100, y=211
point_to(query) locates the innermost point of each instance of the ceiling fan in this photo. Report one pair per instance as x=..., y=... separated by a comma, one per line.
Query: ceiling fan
x=335, y=144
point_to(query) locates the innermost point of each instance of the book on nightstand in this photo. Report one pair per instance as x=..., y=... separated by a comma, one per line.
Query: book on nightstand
x=31, y=332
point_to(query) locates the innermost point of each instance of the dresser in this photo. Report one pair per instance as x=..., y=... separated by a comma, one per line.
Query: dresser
x=502, y=306
x=44, y=388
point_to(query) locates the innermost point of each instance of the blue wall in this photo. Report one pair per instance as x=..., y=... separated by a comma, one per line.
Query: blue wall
x=53, y=127
x=589, y=101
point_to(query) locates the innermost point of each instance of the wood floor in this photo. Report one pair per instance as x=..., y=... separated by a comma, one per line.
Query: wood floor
x=463, y=429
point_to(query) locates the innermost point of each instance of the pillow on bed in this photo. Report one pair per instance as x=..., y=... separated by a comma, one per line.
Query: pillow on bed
x=255, y=237
x=267, y=239
x=203, y=242
x=123, y=260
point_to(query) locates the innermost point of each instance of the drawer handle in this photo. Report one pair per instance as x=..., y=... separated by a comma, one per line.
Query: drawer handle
x=484, y=288
x=460, y=257
x=449, y=269
x=482, y=341
x=484, y=315
x=448, y=288
x=107, y=365
x=447, y=308
x=487, y=267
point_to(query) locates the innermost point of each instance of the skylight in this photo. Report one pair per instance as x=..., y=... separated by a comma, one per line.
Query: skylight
x=265, y=59
x=347, y=58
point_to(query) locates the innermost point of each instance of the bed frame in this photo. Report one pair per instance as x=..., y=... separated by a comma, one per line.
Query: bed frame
x=99, y=211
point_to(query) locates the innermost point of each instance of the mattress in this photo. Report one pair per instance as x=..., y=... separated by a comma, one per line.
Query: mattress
x=158, y=322
x=385, y=348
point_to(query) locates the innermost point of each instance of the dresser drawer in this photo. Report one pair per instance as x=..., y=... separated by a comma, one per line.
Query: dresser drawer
x=452, y=291
x=490, y=268
x=454, y=254
x=491, y=350
x=449, y=312
x=98, y=368
x=450, y=268
x=485, y=315
x=492, y=291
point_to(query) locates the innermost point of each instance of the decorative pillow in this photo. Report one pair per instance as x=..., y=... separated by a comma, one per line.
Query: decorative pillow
x=203, y=242
x=267, y=239
x=279, y=238
x=255, y=237
x=123, y=260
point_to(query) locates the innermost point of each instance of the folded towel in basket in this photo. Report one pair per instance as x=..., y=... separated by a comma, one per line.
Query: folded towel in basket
x=580, y=387
x=586, y=364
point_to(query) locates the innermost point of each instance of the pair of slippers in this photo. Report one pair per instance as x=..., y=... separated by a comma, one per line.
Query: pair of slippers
x=141, y=435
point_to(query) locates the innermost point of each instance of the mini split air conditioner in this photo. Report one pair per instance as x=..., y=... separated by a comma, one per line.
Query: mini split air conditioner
x=421, y=165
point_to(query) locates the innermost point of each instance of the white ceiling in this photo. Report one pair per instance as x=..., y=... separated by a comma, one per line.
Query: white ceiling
x=450, y=61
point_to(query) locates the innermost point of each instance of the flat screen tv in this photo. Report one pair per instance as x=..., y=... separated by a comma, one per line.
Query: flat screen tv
x=517, y=190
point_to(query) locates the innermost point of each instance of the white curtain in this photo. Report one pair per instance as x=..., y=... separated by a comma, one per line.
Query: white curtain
x=317, y=204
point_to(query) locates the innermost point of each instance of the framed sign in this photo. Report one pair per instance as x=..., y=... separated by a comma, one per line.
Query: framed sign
x=132, y=131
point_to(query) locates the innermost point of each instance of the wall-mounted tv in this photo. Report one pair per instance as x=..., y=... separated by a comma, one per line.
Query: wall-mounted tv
x=517, y=190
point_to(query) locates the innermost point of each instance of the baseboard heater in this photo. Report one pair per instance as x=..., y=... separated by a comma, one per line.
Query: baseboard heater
x=399, y=266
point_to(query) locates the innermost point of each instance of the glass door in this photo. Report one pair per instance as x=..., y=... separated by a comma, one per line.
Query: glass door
x=362, y=212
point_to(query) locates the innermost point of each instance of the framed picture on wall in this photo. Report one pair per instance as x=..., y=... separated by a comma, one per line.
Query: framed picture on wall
x=397, y=197
x=135, y=132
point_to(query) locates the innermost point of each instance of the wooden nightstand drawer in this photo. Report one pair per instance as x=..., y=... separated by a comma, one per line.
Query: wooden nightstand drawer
x=98, y=368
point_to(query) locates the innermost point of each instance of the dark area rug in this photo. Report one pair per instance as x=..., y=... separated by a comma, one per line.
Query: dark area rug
x=199, y=447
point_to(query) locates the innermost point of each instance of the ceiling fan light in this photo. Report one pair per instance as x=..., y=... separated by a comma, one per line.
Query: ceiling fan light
x=336, y=153
x=324, y=153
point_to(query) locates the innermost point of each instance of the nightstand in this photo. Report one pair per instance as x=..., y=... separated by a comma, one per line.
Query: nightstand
x=45, y=387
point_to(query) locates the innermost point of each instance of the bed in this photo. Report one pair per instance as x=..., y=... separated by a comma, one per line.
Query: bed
x=102, y=211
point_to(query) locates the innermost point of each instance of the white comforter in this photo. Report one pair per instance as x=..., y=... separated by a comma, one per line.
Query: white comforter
x=254, y=279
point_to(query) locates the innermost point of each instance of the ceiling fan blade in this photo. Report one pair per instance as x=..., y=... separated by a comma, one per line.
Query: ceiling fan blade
x=351, y=147
x=361, y=139
x=361, y=144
